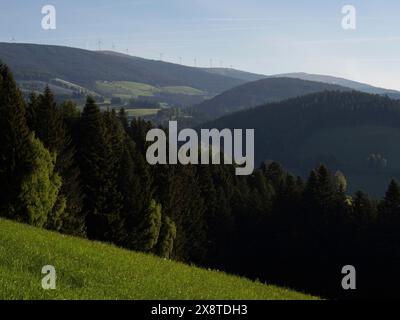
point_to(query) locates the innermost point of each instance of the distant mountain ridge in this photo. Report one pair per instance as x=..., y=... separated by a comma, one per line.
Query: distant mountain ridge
x=342, y=82
x=236, y=74
x=254, y=94
x=33, y=62
x=359, y=86
x=74, y=72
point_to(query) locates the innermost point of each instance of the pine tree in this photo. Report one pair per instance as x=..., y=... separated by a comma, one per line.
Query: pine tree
x=69, y=110
x=129, y=186
x=14, y=143
x=114, y=143
x=138, y=131
x=326, y=213
x=209, y=193
x=191, y=240
x=167, y=237
x=123, y=117
x=46, y=120
x=364, y=211
x=274, y=174
x=389, y=208
x=102, y=202
x=147, y=230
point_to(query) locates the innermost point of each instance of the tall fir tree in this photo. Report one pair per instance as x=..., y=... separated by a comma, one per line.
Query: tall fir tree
x=46, y=119
x=147, y=229
x=389, y=208
x=364, y=211
x=102, y=202
x=14, y=143
x=165, y=244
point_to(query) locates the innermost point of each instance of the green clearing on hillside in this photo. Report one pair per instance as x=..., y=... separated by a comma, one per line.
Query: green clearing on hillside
x=182, y=90
x=141, y=112
x=131, y=112
x=92, y=270
x=127, y=89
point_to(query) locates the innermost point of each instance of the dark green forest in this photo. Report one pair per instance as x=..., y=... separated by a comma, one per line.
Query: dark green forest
x=257, y=93
x=85, y=174
x=341, y=129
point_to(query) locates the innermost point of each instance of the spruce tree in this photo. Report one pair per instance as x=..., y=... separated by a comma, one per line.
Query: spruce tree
x=147, y=230
x=46, y=120
x=389, y=208
x=123, y=117
x=326, y=213
x=191, y=240
x=364, y=211
x=14, y=143
x=211, y=213
x=102, y=202
x=167, y=237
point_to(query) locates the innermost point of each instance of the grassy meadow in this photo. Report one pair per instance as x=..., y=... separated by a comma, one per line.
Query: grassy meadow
x=91, y=270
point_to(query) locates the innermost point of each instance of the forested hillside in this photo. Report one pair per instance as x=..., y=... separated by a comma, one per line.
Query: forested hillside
x=73, y=72
x=237, y=74
x=85, y=174
x=341, y=82
x=254, y=94
x=354, y=132
x=85, y=67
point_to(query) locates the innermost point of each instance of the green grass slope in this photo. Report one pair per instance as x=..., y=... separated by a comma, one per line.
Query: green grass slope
x=129, y=90
x=92, y=270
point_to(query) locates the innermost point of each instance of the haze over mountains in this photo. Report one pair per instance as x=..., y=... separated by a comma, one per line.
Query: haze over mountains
x=71, y=72
x=342, y=82
x=248, y=76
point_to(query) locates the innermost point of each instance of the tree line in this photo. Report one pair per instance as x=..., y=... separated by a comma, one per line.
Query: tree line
x=84, y=173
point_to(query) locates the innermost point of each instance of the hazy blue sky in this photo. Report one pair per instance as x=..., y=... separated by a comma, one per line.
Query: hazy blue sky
x=256, y=35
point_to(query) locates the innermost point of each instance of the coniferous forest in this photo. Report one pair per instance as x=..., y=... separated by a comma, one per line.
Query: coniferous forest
x=84, y=173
